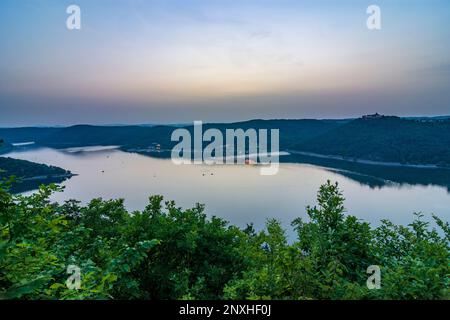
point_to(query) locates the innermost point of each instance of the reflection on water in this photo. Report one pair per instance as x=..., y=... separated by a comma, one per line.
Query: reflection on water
x=379, y=176
x=240, y=194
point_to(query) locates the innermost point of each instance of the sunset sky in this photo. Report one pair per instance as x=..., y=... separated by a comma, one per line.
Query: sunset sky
x=154, y=61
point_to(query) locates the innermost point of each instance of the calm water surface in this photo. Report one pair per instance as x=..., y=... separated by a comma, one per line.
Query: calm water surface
x=238, y=194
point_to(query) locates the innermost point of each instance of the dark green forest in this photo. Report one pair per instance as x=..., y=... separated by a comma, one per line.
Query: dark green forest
x=386, y=139
x=166, y=252
x=416, y=141
x=25, y=169
x=30, y=174
x=4, y=147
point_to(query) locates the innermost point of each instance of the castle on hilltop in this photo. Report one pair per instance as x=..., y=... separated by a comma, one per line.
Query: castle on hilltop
x=373, y=116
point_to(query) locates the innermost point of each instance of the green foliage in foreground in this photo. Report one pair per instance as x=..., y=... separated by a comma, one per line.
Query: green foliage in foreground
x=170, y=253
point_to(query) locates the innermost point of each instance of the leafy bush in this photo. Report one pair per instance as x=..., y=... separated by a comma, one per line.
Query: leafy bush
x=164, y=252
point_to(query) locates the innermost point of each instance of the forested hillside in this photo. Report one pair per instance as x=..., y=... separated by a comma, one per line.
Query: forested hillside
x=22, y=169
x=380, y=138
x=386, y=139
x=4, y=147
x=171, y=253
x=25, y=134
x=28, y=175
x=292, y=131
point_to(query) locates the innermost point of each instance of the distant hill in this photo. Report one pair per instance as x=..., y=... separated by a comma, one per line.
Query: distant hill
x=129, y=137
x=27, y=170
x=29, y=174
x=385, y=139
x=124, y=136
x=436, y=118
x=17, y=135
x=291, y=131
x=378, y=138
x=4, y=147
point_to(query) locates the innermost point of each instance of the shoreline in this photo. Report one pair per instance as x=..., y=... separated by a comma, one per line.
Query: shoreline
x=166, y=154
x=45, y=177
x=368, y=162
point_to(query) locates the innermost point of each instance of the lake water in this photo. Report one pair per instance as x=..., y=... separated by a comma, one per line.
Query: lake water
x=238, y=194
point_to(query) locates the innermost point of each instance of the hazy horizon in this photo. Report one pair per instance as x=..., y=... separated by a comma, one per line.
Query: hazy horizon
x=168, y=123
x=137, y=62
